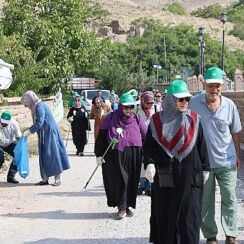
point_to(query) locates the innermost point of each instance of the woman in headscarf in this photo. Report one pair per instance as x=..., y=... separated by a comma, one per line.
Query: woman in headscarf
x=53, y=158
x=99, y=112
x=121, y=170
x=145, y=110
x=176, y=161
x=77, y=116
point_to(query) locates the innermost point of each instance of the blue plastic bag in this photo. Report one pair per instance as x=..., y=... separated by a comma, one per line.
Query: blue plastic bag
x=21, y=159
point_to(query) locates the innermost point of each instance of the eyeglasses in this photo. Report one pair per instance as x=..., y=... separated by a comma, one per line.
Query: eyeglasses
x=77, y=99
x=150, y=103
x=187, y=99
x=158, y=96
x=128, y=107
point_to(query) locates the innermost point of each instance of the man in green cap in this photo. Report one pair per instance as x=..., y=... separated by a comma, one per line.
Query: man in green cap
x=9, y=135
x=221, y=127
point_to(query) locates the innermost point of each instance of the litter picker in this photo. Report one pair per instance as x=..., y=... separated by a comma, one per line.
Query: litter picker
x=111, y=144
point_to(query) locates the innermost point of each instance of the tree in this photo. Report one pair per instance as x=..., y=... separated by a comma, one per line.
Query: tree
x=58, y=36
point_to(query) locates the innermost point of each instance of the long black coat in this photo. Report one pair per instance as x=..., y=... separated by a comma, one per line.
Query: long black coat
x=79, y=126
x=121, y=172
x=176, y=211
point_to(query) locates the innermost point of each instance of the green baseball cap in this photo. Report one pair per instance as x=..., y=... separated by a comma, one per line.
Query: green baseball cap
x=6, y=117
x=112, y=92
x=134, y=93
x=127, y=99
x=178, y=88
x=214, y=75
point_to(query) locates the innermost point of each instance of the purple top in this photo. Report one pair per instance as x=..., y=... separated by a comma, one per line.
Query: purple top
x=134, y=128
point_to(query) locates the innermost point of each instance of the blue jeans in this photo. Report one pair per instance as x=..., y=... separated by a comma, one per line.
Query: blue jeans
x=145, y=184
x=10, y=150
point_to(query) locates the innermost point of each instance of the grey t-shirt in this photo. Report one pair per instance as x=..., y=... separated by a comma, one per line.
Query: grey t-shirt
x=218, y=128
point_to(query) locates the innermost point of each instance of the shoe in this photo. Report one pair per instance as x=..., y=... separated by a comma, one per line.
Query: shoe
x=81, y=154
x=230, y=240
x=42, y=183
x=211, y=240
x=140, y=190
x=129, y=213
x=120, y=214
x=148, y=193
x=12, y=180
x=57, y=183
x=77, y=153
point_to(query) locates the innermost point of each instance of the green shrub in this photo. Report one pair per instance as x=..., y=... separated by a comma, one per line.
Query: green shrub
x=176, y=8
x=211, y=11
x=238, y=30
x=236, y=14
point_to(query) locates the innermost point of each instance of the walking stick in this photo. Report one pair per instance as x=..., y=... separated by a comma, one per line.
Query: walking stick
x=111, y=144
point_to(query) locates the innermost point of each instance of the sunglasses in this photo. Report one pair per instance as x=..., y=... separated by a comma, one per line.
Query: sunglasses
x=128, y=107
x=187, y=99
x=157, y=96
x=77, y=99
x=150, y=103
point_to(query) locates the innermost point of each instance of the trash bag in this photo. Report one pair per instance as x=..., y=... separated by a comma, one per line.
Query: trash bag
x=21, y=158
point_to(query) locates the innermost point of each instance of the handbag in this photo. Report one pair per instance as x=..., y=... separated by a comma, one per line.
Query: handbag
x=166, y=176
x=21, y=159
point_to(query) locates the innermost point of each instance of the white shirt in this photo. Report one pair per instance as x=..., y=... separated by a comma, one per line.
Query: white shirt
x=9, y=133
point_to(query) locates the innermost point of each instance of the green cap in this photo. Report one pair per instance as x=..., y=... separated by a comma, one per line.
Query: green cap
x=76, y=94
x=134, y=93
x=127, y=99
x=6, y=117
x=112, y=92
x=214, y=75
x=178, y=88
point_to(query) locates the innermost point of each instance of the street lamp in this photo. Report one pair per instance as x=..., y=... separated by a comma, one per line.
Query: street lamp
x=157, y=66
x=201, y=50
x=223, y=18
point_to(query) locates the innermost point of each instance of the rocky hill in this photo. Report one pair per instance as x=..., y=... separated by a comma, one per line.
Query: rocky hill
x=125, y=11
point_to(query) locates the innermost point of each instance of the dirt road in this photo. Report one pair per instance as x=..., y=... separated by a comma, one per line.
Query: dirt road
x=65, y=214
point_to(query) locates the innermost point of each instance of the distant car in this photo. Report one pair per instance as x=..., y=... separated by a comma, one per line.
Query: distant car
x=88, y=95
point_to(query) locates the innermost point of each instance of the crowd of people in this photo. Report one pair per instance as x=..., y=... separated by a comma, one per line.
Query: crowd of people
x=172, y=149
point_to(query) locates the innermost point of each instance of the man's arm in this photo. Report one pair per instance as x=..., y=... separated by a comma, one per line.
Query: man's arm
x=236, y=139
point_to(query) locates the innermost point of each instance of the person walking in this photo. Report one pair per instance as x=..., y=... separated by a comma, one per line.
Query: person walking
x=114, y=100
x=78, y=118
x=121, y=166
x=158, y=104
x=99, y=112
x=221, y=127
x=177, y=164
x=145, y=110
x=9, y=135
x=53, y=157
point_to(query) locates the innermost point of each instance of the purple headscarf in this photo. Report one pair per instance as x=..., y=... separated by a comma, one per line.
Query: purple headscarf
x=134, y=129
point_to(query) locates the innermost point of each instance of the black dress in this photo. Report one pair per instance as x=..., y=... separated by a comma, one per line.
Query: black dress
x=121, y=172
x=79, y=126
x=176, y=211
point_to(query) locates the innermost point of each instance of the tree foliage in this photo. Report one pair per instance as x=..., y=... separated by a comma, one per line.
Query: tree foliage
x=210, y=11
x=58, y=39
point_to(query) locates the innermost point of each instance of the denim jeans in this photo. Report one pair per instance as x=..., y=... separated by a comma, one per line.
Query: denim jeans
x=145, y=184
x=10, y=150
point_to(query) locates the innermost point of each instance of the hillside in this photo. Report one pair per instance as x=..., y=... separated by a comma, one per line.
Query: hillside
x=128, y=10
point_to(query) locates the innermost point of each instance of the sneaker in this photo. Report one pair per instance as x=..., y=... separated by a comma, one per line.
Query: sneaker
x=120, y=214
x=140, y=190
x=42, y=183
x=129, y=213
x=81, y=154
x=230, y=240
x=211, y=240
x=77, y=153
x=12, y=180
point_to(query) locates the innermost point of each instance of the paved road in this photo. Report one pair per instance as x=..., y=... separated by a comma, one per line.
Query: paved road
x=65, y=214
